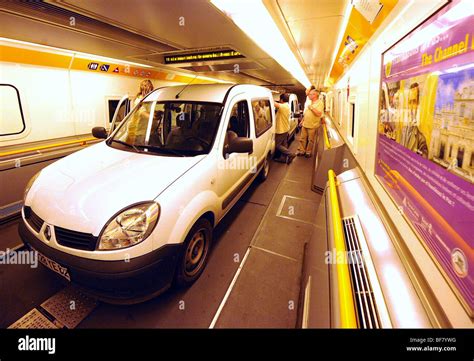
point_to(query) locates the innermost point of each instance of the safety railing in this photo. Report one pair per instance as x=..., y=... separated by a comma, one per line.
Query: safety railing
x=346, y=301
x=326, y=138
x=47, y=146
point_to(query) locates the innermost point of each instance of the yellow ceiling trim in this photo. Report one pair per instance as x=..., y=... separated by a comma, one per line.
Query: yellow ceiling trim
x=360, y=31
x=20, y=55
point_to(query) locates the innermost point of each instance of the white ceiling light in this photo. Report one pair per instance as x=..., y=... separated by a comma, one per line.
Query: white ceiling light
x=253, y=19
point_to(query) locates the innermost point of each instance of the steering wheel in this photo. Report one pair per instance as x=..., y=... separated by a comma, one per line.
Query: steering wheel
x=205, y=142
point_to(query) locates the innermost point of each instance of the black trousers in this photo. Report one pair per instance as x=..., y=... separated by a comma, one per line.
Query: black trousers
x=281, y=145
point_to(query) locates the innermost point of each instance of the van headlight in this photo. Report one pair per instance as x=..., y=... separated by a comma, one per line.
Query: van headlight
x=130, y=227
x=29, y=184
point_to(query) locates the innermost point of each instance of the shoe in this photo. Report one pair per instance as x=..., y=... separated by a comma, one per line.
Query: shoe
x=280, y=160
x=307, y=155
x=290, y=157
x=300, y=154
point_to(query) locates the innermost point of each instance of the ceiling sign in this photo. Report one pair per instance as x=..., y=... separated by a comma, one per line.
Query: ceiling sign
x=207, y=56
x=368, y=8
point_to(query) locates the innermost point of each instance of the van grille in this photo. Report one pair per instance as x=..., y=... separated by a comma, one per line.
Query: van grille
x=33, y=219
x=73, y=239
x=363, y=292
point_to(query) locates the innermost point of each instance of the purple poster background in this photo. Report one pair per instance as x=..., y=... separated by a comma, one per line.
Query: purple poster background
x=441, y=42
x=438, y=204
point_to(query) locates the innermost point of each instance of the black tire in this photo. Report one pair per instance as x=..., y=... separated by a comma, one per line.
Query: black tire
x=193, y=258
x=263, y=175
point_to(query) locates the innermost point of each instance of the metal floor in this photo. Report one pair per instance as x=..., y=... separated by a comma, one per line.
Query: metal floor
x=252, y=278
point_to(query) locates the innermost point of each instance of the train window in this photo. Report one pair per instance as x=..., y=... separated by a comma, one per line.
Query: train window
x=112, y=106
x=340, y=110
x=239, y=119
x=261, y=115
x=12, y=120
x=352, y=115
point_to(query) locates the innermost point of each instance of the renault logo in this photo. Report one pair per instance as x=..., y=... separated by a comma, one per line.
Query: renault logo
x=47, y=233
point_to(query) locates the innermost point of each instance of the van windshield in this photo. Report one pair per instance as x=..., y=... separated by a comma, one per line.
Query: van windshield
x=171, y=128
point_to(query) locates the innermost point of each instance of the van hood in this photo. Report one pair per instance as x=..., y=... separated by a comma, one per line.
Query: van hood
x=84, y=190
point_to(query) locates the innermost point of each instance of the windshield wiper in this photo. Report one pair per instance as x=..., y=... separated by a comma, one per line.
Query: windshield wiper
x=162, y=150
x=126, y=144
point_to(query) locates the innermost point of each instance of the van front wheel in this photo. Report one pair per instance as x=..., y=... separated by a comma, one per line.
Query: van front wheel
x=194, y=254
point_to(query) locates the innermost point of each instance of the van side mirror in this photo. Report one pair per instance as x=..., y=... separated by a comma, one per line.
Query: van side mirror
x=240, y=145
x=99, y=132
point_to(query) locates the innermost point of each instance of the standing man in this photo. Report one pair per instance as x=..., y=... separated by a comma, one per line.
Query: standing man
x=281, y=130
x=311, y=122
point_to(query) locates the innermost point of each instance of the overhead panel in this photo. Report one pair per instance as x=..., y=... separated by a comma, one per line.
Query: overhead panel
x=186, y=26
x=314, y=29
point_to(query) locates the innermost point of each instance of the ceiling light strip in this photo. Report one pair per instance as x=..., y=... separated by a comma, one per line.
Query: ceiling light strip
x=253, y=19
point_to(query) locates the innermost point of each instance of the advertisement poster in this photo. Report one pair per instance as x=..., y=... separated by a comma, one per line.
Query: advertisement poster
x=425, y=145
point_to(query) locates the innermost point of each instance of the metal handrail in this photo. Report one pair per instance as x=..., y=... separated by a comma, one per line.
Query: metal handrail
x=326, y=138
x=346, y=301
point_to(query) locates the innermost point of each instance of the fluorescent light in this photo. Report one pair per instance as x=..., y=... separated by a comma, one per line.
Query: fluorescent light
x=455, y=69
x=459, y=11
x=253, y=19
x=398, y=291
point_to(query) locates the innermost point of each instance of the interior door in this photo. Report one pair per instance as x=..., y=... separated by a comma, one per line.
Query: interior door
x=262, y=123
x=123, y=108
x=294, y=115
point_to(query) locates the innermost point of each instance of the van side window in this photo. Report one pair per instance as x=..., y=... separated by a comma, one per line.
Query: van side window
x=239, y=119
x=112, y=106
x=12, y=120
x=261, y=115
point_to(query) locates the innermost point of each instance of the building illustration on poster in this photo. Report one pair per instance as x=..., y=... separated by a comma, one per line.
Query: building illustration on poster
x=453, y=124
x=425, y=147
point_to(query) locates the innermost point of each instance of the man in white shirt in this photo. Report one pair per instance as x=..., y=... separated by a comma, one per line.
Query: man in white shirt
x=307, y=103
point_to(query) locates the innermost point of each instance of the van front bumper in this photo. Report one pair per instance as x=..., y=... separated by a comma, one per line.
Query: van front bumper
x=119, y=282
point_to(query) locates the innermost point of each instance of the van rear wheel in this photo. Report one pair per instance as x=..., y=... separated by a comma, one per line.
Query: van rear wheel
x=194, y=255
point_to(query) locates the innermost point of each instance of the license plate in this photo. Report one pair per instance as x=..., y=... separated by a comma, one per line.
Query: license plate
x=53, y=266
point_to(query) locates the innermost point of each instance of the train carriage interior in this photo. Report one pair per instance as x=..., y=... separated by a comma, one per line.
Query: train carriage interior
x=275, y=164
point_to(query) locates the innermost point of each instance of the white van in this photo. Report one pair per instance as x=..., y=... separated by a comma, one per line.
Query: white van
x=126, y=218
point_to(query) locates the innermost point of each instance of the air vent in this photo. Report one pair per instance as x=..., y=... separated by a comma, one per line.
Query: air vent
x=73, y=239
x=62, y=17
x=33, y=219
x=364, y=297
